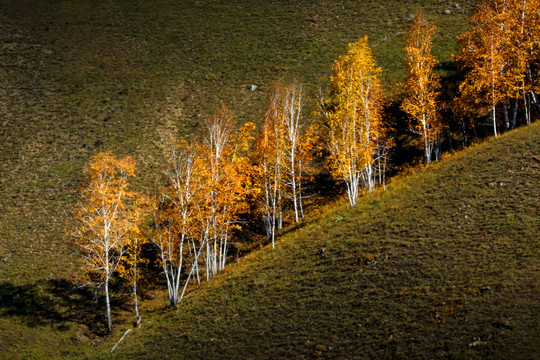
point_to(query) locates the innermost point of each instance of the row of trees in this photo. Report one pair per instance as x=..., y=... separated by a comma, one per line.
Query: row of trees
x=232, y=175
x=499, y=56
x=211, y=182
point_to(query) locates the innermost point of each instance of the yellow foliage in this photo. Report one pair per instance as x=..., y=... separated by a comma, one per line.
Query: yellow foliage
x=420, y=100
x=354, y=119
x=103, y=218
x=499, y=51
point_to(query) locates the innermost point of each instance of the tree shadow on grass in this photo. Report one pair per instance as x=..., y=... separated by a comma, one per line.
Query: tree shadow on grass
x=53, y=302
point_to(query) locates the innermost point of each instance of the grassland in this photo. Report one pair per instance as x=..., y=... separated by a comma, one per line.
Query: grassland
x=129, y=76
x=444, y=264
x=79, y=77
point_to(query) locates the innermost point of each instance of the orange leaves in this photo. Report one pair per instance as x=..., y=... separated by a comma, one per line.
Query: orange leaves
x=482, y=51
x=420, y=100
x=281, y=152
x=103, y=219
x=497, y=51
x=354, y=120
x=225, y=157
x=209, y=181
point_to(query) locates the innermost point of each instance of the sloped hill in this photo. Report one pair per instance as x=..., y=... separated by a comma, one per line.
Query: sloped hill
x=80, y=77
x=444, y=264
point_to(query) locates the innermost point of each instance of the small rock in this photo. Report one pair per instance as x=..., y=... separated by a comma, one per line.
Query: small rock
x=485, y=289
x=321, y=251
x=409, y=16
x=477, y=343
x=491, y=158
x=447, y=12
x=252, y=87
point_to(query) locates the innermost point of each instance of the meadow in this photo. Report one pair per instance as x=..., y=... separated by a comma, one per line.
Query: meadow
x=80, y=77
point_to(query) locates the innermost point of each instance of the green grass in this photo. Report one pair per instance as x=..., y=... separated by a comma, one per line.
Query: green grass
x=79, y=77
x=129, y=76
x=444, y=264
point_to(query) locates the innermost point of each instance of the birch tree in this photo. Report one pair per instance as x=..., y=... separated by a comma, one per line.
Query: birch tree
x=270, y=157
x=224, y=185
x=498, y=52
x=176, y=218
x=524, y=22
x=293, y=102
x=135, y=239
x=354, y=121
x=103, y=219
x=281, y=153
x=420, y=101
x=481, y=53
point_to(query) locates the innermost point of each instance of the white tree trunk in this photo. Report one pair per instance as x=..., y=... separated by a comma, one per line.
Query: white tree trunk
x=107, y=302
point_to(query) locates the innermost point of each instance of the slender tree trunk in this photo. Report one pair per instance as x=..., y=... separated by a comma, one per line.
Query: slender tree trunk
x=369, y=176
x=273, y=231
x=186, y=284
x=428, y=150
x=224, y=255
x=353, y=186
x=197, y=268
x=135, y=297
x=178, y=271
x=207, y=262
x=437, y=147
x=526, y=105
x=514, y=114
x=494, y=120
x=384, y=173
x=300, y=190
x=191, y=272
x=350, y=191
x=167, y=277
x=506, y=118
x=295, y=201
x=107, y=301
x=427, y=140
x=280, y=214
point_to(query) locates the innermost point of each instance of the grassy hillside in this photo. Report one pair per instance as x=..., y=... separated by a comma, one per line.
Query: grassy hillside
x=444, y=264
x=78, y=77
